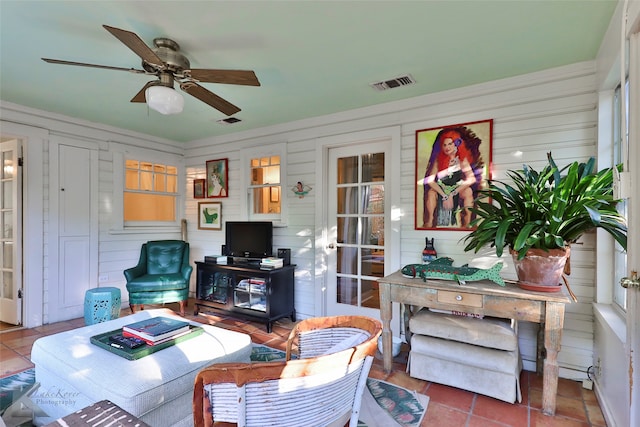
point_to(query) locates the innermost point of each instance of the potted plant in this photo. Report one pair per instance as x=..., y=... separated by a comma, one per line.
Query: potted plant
x=540, y=214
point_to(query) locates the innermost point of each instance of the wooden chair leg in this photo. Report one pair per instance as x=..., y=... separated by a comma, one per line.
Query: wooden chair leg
x=133, y=307
x=182, y=304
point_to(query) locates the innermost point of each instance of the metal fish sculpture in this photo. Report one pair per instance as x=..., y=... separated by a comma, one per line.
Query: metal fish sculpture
x=442, y=268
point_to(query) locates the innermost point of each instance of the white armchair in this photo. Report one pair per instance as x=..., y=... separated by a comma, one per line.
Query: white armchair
x=313, y=390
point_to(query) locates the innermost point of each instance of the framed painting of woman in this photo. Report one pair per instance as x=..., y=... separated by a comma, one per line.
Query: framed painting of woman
x=452, y=164
x=217, y=178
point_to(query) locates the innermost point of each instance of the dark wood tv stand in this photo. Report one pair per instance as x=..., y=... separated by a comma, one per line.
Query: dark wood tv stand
x=245, y=290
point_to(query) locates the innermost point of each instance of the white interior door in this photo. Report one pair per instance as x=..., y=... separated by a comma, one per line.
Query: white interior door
x=358, y=222
x=74, y=255
x=11, y=241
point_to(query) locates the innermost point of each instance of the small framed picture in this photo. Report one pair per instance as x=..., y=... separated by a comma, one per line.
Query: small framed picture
x=199, y=188
x=217, y=178
x=275, y=194
x=209, y=216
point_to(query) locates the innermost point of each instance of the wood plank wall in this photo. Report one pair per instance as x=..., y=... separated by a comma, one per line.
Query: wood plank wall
x=553, y=110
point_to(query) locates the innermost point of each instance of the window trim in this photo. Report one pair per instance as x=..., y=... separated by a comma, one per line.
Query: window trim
x=605, y=250
x=617, y=147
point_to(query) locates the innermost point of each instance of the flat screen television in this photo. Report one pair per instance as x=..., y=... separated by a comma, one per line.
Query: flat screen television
x=248, y=240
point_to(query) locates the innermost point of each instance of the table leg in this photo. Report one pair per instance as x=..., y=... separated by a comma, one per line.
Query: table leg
x=385, y=316
x=408, y=312
x=540, y=351
x=554, y=319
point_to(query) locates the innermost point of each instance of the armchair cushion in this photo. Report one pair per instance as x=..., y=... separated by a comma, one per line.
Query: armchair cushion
x=488, y=332
x=478, y=355
x=157, y=282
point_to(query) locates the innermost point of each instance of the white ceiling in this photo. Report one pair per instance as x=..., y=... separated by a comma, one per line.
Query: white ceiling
x=312, y=58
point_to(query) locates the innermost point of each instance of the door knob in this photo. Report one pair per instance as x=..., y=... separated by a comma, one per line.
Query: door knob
x=331, y=246
x=630, y=282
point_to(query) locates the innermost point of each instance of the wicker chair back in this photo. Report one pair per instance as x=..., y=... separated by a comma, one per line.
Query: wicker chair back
x=312, y=390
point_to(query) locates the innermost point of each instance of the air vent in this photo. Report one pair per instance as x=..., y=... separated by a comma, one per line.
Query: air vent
x=393, y=83
x=229, y=121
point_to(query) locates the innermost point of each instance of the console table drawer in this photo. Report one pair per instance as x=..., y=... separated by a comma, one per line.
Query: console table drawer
x=460, y=298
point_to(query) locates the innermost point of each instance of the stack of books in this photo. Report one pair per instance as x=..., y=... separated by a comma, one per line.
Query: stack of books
x=257, y=285
x=156, y=330
x=271, y=263
x=254, y=284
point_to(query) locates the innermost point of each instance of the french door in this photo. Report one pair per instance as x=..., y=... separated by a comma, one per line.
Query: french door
x=10, y=239
x=357, y=227
x=633, y=236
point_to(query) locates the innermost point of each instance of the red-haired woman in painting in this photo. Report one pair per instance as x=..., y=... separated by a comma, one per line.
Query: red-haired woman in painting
x=450, y=180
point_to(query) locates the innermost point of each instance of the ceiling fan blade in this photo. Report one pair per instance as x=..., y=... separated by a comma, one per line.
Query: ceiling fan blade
x=140, y=96
x=210, y=98
x=82, y=64
x=135, y=43
x=233, y=77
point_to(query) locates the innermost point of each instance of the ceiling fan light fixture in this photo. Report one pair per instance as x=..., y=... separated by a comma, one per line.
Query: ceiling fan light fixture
x=164, y=100
x=170, y=65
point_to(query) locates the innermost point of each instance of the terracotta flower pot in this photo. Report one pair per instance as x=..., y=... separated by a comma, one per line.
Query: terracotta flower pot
x=542, y=268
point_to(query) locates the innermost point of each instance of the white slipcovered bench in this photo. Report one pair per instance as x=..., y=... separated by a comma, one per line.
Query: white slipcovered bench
x=478, y=355
x=158, y=388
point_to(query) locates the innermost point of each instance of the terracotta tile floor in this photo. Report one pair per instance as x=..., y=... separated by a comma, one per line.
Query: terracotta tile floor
x=448, y=406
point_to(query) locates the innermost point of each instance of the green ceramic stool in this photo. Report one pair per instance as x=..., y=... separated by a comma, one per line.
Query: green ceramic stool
x=101, y=304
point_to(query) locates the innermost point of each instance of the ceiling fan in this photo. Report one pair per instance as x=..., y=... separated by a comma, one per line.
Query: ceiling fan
x=167, y=63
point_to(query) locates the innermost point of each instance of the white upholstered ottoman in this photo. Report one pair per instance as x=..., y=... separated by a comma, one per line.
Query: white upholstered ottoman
x=158, y=389
x=478, y=355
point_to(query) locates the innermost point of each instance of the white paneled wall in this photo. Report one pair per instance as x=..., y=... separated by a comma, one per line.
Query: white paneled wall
x=550, y=111
x=534, y=116
x=119, y=249
x=299, y=233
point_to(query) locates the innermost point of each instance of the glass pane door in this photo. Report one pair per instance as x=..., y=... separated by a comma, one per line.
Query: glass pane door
x=10, y=221
x=357, y=229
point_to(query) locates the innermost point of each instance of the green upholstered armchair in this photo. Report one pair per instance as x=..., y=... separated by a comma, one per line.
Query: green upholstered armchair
x=162, y=274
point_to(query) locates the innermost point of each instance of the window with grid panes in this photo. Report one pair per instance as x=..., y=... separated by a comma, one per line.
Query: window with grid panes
x=264, y=187
x=150, y=193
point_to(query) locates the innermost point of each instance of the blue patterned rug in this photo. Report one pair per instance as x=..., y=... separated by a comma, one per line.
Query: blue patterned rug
x=383, y=404
x=13, y=388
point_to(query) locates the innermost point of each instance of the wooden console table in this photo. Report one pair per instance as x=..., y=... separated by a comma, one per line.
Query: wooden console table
x=486, y=298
